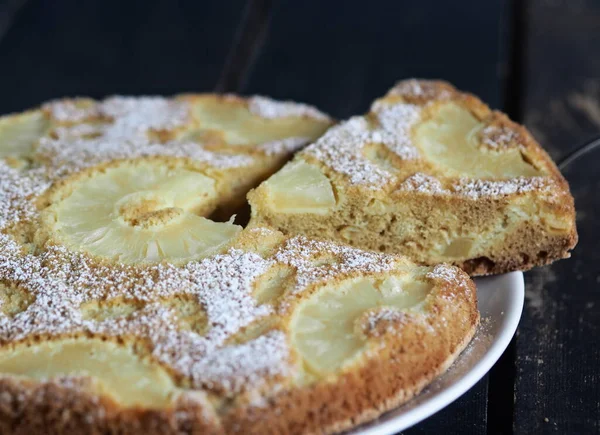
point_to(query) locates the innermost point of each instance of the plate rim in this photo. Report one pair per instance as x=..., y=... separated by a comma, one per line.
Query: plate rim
x=510, y=321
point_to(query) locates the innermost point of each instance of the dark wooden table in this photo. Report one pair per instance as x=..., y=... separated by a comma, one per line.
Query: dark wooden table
x=539, y=60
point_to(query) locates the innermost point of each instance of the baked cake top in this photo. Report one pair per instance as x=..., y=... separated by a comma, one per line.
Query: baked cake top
x=427, y=136
x=119, y=289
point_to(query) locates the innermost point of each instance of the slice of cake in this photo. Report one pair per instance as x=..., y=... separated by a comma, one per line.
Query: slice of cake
x=431, y=173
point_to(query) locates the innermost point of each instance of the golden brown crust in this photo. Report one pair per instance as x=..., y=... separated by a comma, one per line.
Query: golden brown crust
x=533, y=252
x=50, y=408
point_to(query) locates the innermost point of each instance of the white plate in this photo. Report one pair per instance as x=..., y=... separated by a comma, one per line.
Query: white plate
x=500, y=300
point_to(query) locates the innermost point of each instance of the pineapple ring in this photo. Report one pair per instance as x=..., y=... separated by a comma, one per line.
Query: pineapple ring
x=451, y=139
x=230, y=121
x=111, y=366
x=20, y=133
x=300, y=187
x=327, y=329
x=141, y=213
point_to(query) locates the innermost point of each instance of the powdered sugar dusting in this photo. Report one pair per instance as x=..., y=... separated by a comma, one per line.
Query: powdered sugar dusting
x=341, y=147
x=70, y=110
x=272, y=109
x=67, y=156
x=122, y=128
x=300, y=253
x=133, y=118
x=388, y=316
x=422, y=89
x=238, y=367
x=475, y=189
x=16, y=192
x=60, y=281
x=453, y=276
x=124, y=133
x=499, y=138
x=77, y=131
x=130, y=116
x=396, y=122
x=423, y=183
x=284, y=146
x=443, y=272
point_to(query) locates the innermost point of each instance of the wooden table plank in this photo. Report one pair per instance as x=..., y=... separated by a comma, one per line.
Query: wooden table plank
x=561, y=101
x=8, y=12
x=340, y=56
x=466, y=416
x=558, y=349
x=73, y=47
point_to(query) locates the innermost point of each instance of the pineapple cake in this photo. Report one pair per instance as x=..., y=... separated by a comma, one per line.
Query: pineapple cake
x=432, y=173
x=131, y=302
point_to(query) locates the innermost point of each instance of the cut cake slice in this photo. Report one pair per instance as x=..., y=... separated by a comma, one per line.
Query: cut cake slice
x=432, y=173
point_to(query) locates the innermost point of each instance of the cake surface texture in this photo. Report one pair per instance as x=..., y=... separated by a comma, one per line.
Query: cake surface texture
x=132, y=302
x=432, y=173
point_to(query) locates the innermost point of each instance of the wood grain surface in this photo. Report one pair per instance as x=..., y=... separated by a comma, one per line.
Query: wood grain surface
x=82, y=47
x=557, y=387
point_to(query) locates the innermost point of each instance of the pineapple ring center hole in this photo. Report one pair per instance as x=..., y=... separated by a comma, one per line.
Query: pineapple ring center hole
x=146, y=209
